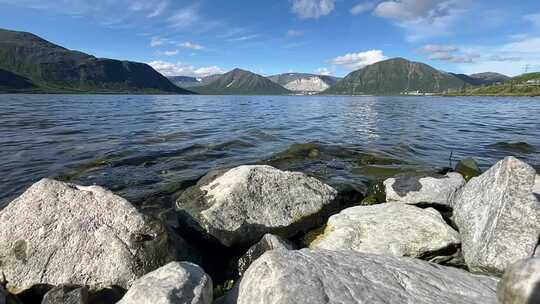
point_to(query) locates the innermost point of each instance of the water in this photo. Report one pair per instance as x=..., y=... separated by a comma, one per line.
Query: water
x=144, y=146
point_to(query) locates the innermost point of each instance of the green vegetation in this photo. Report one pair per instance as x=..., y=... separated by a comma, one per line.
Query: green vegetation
x=31, y=64
x=395, y=76
x=516, y=86
x=240, y=82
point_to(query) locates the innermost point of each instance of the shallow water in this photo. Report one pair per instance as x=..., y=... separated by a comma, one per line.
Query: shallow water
x=140, y=146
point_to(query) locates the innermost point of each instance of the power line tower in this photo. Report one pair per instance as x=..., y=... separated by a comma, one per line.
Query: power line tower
x=526, y=68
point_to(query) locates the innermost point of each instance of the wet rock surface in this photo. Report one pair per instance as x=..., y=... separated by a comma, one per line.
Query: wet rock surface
x=468, y=168
x=320, y=276
x=419, y=189
x=58, y=233
x=389, y=229
x=67, y=294
x=238, y=206
x=498, y=216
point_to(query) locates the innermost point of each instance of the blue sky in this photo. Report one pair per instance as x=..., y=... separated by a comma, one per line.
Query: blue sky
x=202, y=37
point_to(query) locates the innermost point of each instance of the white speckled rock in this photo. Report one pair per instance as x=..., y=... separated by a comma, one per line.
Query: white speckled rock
x=520, y=283
x=389, y=229
x=267, y=243
x=58, y=233
x=411, y=189
x=239, y=206
x=347, y=277
x=174, y=283
x=498, y=216
x=536, y=188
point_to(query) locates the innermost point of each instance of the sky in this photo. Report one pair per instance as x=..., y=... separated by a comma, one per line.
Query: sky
x=333, y=37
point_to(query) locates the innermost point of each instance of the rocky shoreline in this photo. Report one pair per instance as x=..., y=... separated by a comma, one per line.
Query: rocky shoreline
x=257, y=234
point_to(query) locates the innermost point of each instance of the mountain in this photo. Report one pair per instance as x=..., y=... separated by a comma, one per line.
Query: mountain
x=52, y=68
x=240, y=82
x=13, y=83
x=523, y=85
x=480, y=79
x=490, y=77
x=189, y=82
x=304, y=83
x=396, y=76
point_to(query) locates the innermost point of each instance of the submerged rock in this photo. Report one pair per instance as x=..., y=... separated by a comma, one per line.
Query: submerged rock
x=267, y=243
x=520, y=283
x=498, y=216
x=239, y=206
x=67, y=294
x=417, y=189
x=520, y=147
x=176, y=282
x=389, y=229
x=347, y=277
x=468, y=168
x=58, y=233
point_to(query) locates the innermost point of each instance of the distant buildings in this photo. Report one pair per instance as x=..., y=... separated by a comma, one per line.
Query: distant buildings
x=533, y=82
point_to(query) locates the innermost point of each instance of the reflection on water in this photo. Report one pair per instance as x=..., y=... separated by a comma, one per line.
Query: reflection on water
x=141, y=145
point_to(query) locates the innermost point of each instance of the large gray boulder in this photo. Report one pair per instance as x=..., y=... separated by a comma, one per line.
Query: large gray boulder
x=347, y=277
x=237, y=207
x=536, y=189
x=174, y=283
x=415, y=189
x=498, y=216
x=58, y=233
x=389, y=229
x=267, y=243
x=520, y=283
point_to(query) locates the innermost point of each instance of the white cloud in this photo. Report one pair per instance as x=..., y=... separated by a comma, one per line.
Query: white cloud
x=312, y=8
x=294, y=33
x=191, y=46
x=169, y=53
x=423, y=19
x=159, y=9
x=363, y=7
x=156, y=41
x=534, y=19
x=323, y=71
x=355, y=61
x=184, y=17
x=439, y=48
x=182, y=69
x=447, y=53
x=243, y=38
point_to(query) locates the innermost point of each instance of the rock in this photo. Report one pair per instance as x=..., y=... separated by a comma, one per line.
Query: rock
x=412, y=189
x=7, y=298
x=332, y=277
x=498, y=216
x=520, y=283
x=67, y=294
x=58, y=233
x=468, y=168
x=237, y=207
x=176, y=282
x=519, y=147
x=536, y=189
x=267, y=243
x=389, y=229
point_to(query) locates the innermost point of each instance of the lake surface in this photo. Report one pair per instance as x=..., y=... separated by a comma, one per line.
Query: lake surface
x=147, y=148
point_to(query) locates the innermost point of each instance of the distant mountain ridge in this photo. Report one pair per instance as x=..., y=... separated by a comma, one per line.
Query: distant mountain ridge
x=396, y=76
x=303, y=82
x=52, y=68
x=241, y=82
x=189, y=81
